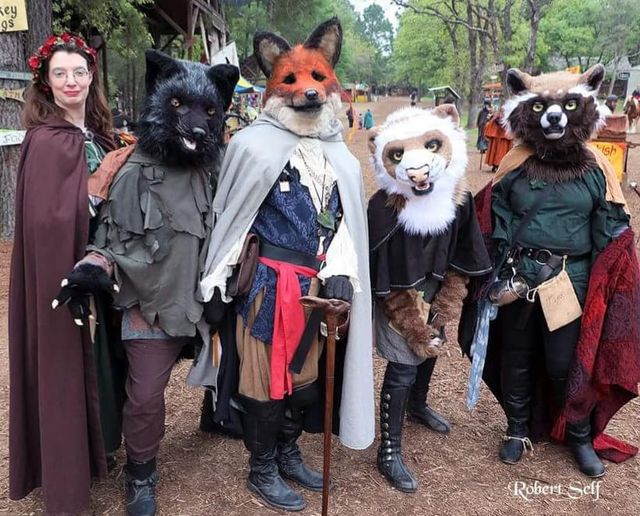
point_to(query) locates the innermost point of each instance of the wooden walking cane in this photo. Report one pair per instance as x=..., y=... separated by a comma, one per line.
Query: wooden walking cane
x=333, y=309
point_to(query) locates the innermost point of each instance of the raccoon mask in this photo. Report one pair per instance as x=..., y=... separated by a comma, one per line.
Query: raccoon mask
x=555, y=114
x=302, y=91
x=183, y=115
x=420, y=158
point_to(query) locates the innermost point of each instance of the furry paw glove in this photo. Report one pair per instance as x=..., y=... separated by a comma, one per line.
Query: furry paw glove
x=84, y=279
x=409, y=313
x=448, y=301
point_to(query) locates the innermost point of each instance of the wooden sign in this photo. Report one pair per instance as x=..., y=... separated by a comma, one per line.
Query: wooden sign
x=15, y=76
x=615, y=152
x=11, y=137
x=13, y=15
x=12, y=94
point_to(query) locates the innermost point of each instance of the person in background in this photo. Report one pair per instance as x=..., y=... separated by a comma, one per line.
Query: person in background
x=64, y=412
x=483, y=116
x=611, y=102
x=368, y=120
x=360, y=121
x=350, y=116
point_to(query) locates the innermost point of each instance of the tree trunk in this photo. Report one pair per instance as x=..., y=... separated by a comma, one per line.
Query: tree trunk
x=536, y=7
x=475, y=73
x=616, y=61
x=15, y=48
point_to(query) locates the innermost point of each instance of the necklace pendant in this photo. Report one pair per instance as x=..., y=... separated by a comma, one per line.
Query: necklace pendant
x=285, y=187
x=326, y=219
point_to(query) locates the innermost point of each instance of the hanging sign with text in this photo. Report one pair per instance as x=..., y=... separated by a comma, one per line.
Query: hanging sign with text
x=11, y=137
x=12, y=94
x=13, y=15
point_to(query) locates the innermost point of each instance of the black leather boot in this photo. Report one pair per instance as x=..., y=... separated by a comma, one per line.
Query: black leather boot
x=393, y=403
x=289, y=459
x=515, y=442
x=141, y=479
x=261, y=422
x=418, y=410
x=580, y=441
x=516, y=397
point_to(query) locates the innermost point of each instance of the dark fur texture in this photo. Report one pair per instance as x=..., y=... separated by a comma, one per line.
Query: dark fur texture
x=557, y=160
x=408, y=312
x=560, y=95
x=186, y=101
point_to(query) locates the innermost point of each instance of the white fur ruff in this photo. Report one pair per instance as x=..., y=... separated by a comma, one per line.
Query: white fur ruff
x=431, y=213
x=301, y=123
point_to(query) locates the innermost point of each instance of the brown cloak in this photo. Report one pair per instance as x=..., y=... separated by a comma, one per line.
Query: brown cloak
x=55, y=438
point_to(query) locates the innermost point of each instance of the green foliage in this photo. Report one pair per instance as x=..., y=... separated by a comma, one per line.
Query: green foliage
x=294, y=21
x=120, y=22
x=423, y=55
x=376, y=28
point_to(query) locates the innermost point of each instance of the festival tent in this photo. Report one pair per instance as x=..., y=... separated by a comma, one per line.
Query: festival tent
x=244, y=86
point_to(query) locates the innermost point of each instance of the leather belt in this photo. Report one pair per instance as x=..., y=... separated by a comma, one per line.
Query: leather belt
x=287, y=255
x=542, y=256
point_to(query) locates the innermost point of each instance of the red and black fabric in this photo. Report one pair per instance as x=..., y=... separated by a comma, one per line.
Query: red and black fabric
x=606, y=370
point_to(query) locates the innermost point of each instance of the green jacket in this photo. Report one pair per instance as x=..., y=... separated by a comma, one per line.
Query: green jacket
x=575, y=220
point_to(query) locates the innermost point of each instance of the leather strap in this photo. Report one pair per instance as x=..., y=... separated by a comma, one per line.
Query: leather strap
x=310, y=331
x=287, y=255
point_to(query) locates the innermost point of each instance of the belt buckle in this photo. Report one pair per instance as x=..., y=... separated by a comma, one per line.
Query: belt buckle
x=538, y=257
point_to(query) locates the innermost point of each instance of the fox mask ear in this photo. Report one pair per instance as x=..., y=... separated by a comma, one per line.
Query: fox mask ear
x=267, y=47
x=225, y=77
x=159, y=66
x=327, y=39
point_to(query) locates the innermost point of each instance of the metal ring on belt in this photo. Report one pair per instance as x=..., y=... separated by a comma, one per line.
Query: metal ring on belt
x=287, y=255
x=540, y=256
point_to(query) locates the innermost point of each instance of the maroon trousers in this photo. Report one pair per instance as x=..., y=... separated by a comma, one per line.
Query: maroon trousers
x=150, y=365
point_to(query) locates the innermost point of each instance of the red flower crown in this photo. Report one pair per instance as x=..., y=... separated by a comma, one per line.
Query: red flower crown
x=38, y=60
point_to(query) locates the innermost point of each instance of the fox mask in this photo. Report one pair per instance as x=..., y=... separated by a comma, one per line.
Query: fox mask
x=302, y=91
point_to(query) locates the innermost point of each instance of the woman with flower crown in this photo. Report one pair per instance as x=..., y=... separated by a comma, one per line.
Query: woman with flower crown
x=61, y=382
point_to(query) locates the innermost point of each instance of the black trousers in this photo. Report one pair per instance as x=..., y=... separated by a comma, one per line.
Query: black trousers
x=519, y=349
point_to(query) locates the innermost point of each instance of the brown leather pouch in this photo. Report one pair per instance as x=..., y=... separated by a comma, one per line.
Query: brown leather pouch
x=241, y=279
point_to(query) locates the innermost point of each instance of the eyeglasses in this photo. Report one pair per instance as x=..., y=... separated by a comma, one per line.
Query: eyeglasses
x=79, y=74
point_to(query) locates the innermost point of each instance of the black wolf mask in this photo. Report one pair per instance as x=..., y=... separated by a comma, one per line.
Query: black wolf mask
x=183, y=117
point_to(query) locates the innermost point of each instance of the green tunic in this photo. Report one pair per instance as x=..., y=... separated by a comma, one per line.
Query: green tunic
x=108, y=353
x=575, y=220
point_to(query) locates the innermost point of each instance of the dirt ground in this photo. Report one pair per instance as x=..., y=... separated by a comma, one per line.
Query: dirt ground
x=458, y=474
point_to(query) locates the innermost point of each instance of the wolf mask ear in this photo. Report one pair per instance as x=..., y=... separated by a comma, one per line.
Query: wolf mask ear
x=447, y=111
x=225, y=77
x=593, y=77
x=267, y=47
x=159, y=66
x=517, y=81
x=327, y=39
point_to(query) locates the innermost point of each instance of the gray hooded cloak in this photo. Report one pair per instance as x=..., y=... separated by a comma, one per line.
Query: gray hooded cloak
x=252, y=164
